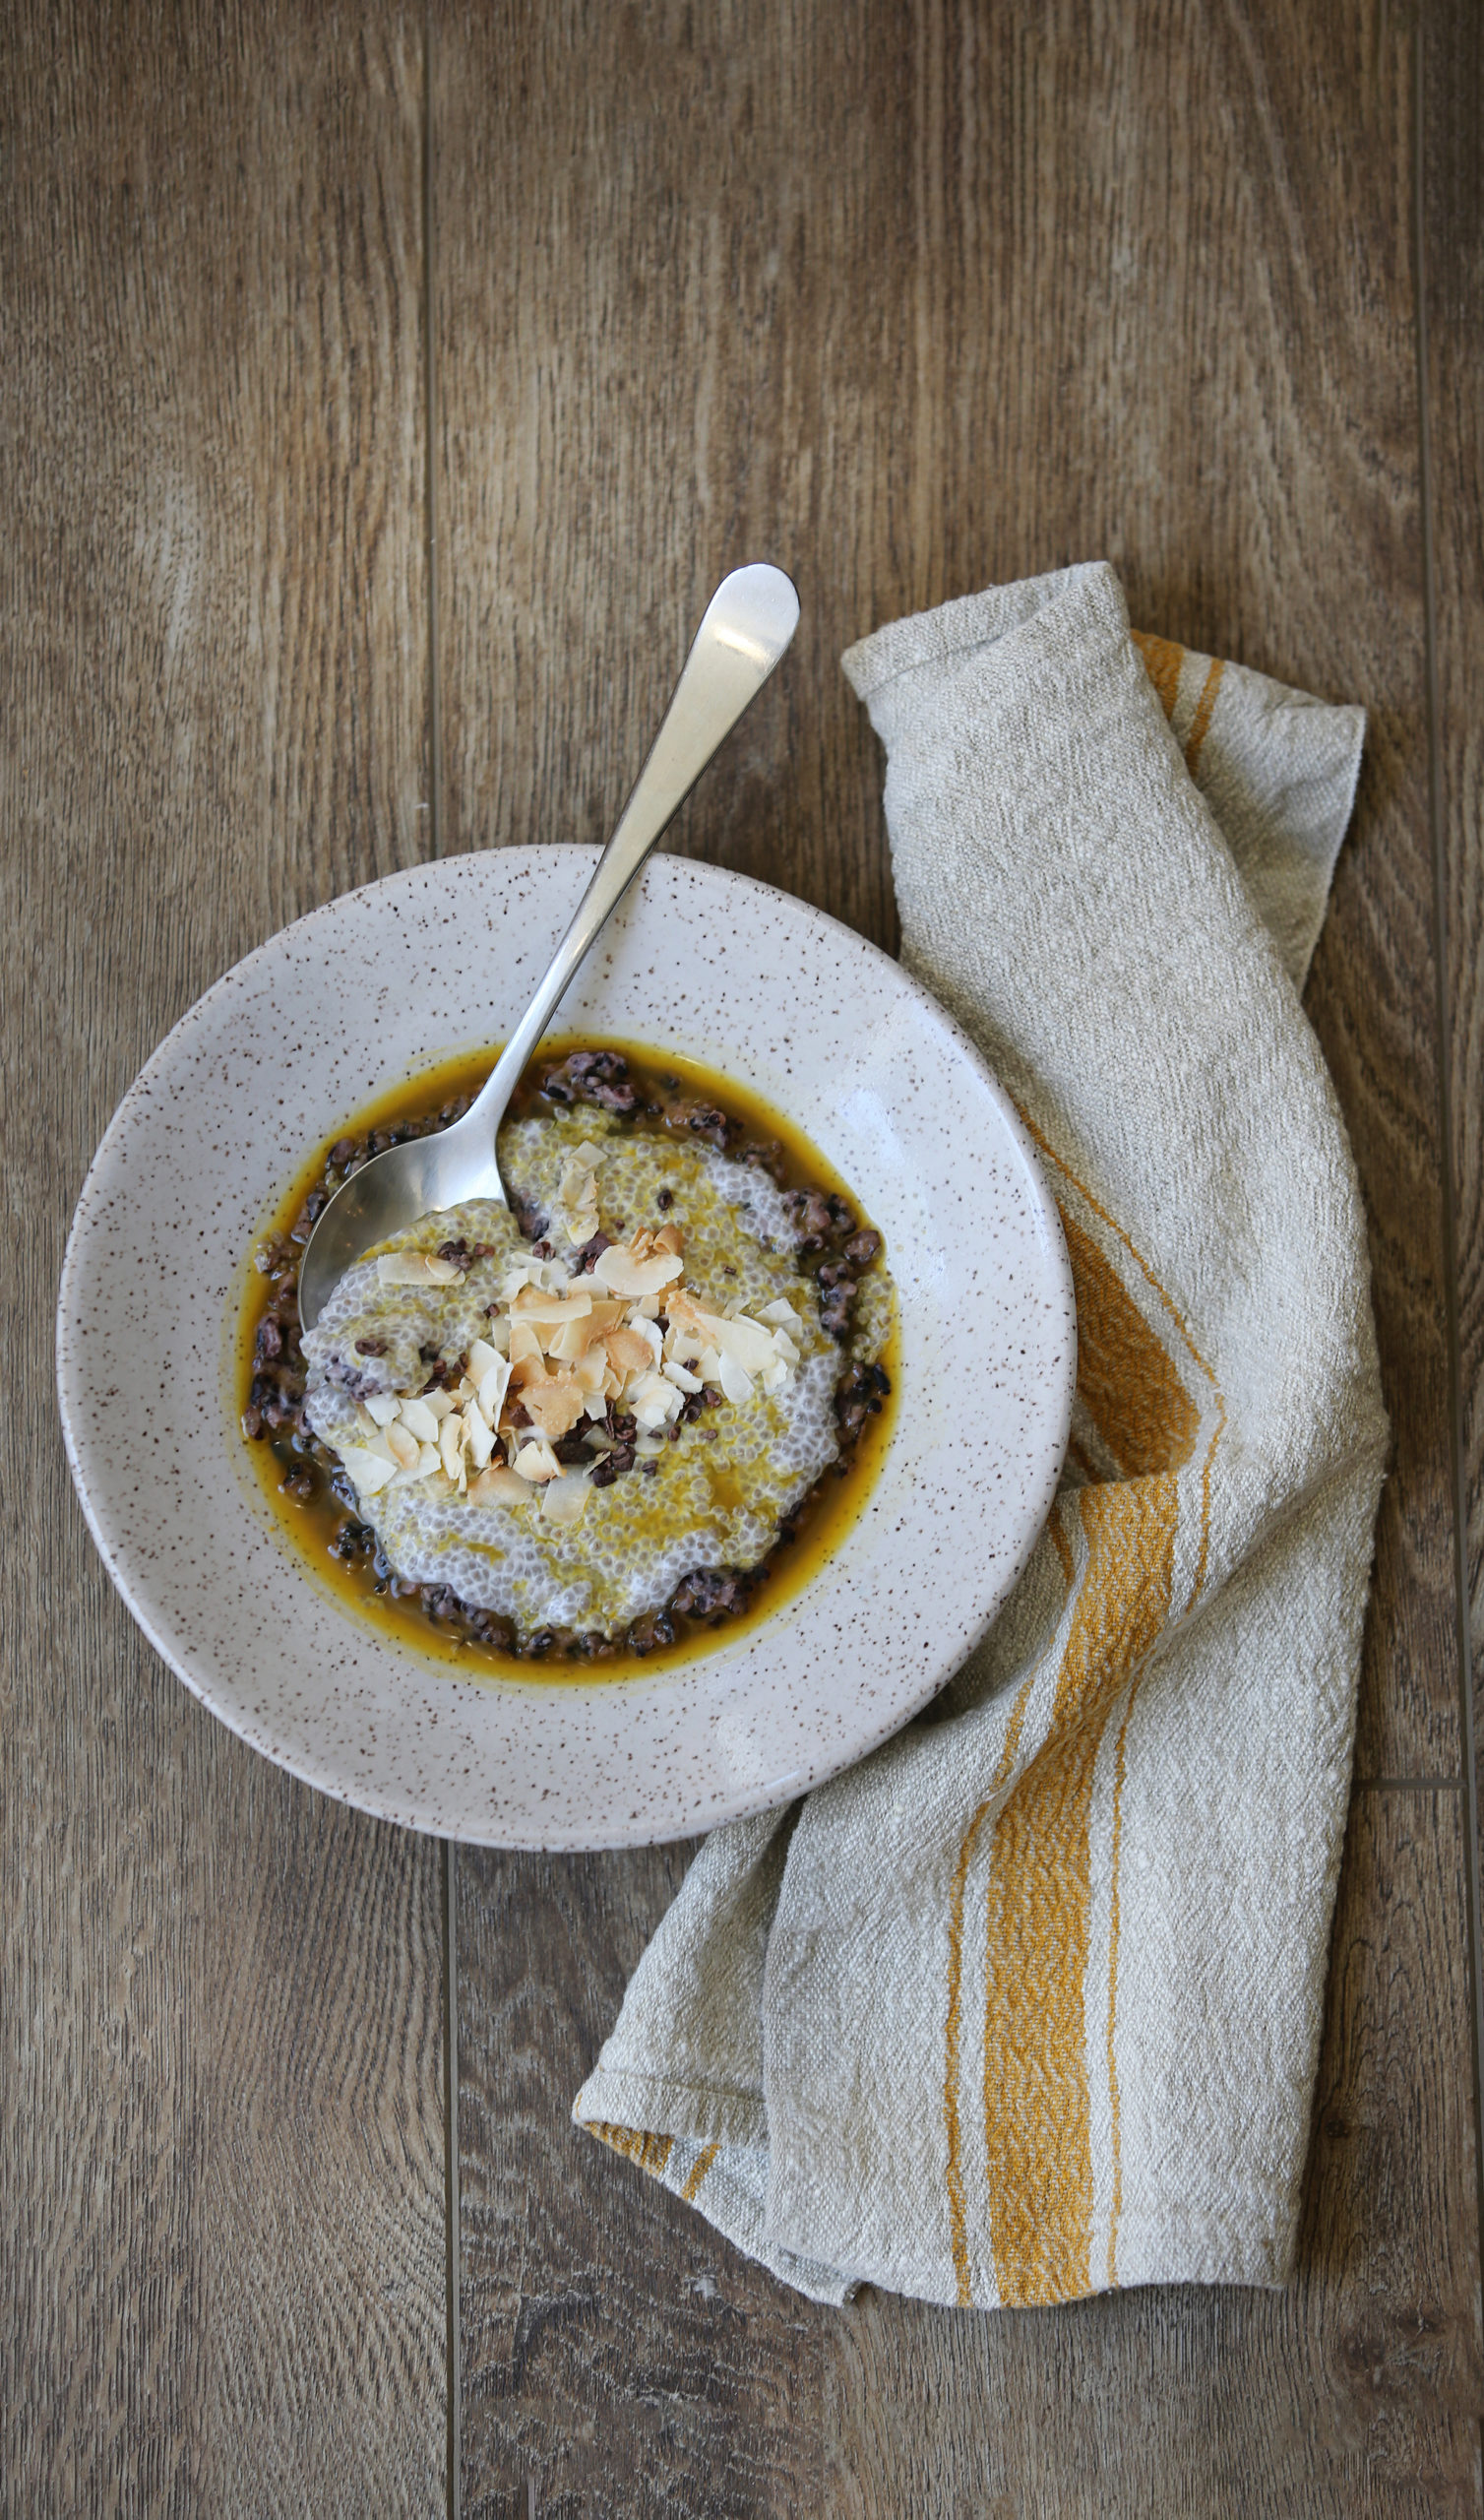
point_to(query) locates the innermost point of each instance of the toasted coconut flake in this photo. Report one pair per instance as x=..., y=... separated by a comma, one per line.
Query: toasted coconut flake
x=670, y=1238
x=681, y=1377
x=450, y=1448
x=644, y=1329
x=382, y=1406
x=535, y=1303
x=554, y=1401
x=436, y=1400
x=688, y=1317
x=481, y=1355
x=747, y=1342
x=416, y=1269
x=566, y=1498
x=577, y=1197
x=571, y=1341
x=550, y=1276
x=693, y=1334
x=735, y=1381
x=418, y=1418
x=498, y=1486
x=370, y=1472
x=619, y=1270
x=780, y=1312
x=478, y=1437
x=595, y=1405
x=650, y=1447
x=524, y=1346
x=494, y=1385
x=628, y=1352
x=653, y=1401
x=773, y=1378
x=537, y=1463
x=403, y=1445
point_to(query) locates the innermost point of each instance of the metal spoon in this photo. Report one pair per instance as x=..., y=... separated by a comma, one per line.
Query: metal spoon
x=744, y=631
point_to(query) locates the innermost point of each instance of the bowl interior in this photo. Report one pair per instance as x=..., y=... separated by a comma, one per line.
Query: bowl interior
x=445, y=956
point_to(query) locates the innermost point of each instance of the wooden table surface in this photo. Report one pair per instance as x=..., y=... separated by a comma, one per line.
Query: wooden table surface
x=382, y=395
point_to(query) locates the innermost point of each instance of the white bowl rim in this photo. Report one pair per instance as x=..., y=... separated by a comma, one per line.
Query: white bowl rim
x=132, y=1582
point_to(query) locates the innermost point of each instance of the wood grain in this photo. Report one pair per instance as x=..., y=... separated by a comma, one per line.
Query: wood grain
x=618, y=2356
x=621, y=2358
x=913, y=298
x=1453, y=253
x=220, y=2120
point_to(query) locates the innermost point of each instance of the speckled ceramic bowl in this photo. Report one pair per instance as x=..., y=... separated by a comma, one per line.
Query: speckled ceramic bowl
x=300, y=1034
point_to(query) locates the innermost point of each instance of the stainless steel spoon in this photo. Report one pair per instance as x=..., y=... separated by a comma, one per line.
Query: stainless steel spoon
x=744, y=631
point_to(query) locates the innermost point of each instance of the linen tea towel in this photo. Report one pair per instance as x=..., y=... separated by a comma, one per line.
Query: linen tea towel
x=1027, y=2006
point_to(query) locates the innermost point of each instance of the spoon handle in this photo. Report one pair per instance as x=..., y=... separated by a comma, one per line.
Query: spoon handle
x=744, y=631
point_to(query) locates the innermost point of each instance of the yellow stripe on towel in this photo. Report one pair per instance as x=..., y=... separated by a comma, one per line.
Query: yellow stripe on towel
x=651, y=2151
x=1038, y=2112
x=1163, y=659
x=1201, y=722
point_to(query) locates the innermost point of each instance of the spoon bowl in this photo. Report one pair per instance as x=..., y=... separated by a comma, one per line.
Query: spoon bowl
x=744, y=631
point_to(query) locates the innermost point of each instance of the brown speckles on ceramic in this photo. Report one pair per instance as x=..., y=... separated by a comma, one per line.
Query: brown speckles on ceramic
x=275, y=1057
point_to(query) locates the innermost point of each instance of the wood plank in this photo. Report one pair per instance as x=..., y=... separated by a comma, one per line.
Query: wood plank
x=614, y=2346
x=914, y=297
x=914, y=303
x=620, y=2357
x=219, y=2114
x=1453, y=254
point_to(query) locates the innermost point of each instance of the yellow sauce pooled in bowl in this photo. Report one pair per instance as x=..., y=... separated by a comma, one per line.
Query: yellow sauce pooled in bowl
x=757, y=1489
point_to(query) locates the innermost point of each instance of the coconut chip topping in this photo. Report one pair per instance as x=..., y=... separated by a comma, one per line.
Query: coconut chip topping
x=628, y=1336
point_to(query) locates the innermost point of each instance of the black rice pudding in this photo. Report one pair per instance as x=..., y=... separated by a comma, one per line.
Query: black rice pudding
x=585, y=1427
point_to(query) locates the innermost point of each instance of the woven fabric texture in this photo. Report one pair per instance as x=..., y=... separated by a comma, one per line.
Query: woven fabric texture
x=1028, y=2004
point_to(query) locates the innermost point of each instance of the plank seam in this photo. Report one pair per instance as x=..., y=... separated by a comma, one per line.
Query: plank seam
x=1408, y=1784
x=430, y=450
x=1443, y=997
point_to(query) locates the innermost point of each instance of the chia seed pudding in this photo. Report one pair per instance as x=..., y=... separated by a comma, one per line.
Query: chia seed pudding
x=583, y=1425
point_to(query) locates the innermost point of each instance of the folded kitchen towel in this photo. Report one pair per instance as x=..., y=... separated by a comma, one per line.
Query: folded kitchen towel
x=1027, y=2006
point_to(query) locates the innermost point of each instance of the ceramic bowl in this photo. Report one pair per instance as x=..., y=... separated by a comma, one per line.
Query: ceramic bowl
x=299, y=1035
